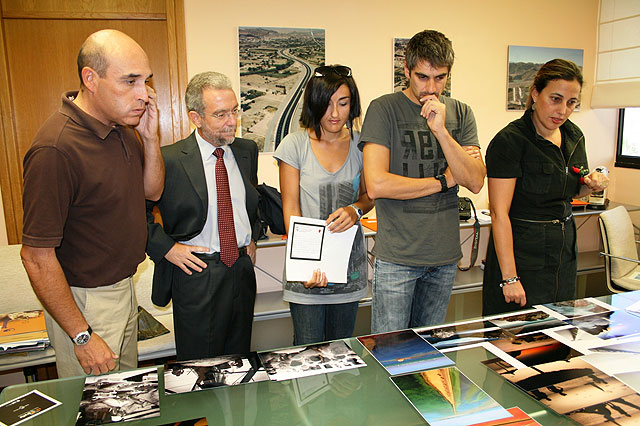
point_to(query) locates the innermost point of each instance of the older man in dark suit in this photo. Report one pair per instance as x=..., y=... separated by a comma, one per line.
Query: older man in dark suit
x=205, y=249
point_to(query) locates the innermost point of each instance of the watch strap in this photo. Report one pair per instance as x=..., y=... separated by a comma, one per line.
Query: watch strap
x=443, y=183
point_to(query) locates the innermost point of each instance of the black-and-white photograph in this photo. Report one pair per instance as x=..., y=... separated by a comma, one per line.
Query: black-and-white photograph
x=226, y=370
x=310, y=360
x=275, y=65
x=119, y=397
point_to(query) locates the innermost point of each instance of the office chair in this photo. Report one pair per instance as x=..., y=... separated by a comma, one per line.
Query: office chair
x=621, y=264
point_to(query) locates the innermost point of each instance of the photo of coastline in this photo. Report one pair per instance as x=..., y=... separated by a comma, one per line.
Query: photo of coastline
x=576, y=308
x=403, y=352
x=275, y=65
x=456, y=335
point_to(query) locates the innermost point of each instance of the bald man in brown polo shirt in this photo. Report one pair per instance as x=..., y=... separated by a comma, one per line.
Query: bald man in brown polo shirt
x=86, y=177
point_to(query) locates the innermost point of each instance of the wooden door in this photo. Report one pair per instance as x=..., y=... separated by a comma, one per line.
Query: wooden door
x=39, y=44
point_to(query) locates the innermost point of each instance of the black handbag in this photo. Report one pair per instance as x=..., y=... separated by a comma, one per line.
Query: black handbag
x=270, y=207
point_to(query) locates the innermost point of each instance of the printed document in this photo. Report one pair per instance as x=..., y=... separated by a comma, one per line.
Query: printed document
x=311, y=246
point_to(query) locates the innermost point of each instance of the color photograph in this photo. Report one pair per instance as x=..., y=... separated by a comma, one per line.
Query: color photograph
x=286, y=364
x=403, y=352
x=608, y=325
x=534, y=349
x=519, y=418
x=457, y=335
x=446, y=397
x=275, y=65
x=524, y=63
x=567, y=387
x=576, y=308
x=227, y=370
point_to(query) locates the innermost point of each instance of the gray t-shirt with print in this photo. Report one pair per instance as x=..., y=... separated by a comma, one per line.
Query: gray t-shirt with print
x=422, y=231
x=321, y=193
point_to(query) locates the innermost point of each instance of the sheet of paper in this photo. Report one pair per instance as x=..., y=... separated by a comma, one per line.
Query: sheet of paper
x=26, y=407
x=312, y=246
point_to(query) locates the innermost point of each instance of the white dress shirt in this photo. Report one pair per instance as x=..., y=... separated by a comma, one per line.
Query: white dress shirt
x=209, y=236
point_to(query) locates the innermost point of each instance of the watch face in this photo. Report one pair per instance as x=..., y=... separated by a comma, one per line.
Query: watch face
x=82, y=338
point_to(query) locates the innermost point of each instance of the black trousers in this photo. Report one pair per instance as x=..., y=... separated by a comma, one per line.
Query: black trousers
x=213, y=309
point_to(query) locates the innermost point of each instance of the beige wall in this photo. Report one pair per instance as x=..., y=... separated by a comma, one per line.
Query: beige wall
x=359, y=34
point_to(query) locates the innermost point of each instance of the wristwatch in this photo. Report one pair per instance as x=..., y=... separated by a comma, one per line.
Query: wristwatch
x=443, y=183
x=82, y=338
x=358, y=210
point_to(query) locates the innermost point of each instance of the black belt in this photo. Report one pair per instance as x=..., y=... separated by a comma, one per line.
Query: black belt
x=553, y=221
x=216, y=256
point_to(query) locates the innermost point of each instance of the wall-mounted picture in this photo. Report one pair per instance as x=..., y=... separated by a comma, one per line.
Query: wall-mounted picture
x=524, y=63
x=399, y=79
x=275, y=65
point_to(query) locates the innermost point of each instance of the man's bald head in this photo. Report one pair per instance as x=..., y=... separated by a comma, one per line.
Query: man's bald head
x=101, y=46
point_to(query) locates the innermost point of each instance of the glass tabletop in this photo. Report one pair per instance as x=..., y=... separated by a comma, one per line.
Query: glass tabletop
x=362, y=396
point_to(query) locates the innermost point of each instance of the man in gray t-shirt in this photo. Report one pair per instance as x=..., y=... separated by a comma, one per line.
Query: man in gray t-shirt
x=418, y=146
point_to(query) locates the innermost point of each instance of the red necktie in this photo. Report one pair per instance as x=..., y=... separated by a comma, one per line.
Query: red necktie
x=226, y=227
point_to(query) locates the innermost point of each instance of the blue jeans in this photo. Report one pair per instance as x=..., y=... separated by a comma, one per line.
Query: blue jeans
x=319, y=323
x=409, y=296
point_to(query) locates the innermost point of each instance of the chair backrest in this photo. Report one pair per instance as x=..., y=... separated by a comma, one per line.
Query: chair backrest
x=616, y=229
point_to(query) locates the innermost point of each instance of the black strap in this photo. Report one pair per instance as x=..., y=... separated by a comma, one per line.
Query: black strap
x=476, y=238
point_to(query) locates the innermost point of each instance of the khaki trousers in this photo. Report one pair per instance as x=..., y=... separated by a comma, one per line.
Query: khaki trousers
x=112, y=312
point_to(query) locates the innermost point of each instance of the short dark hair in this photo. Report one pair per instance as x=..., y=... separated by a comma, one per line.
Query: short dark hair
x=555, y=69
x=92, y=55
x=431, y=46
x=317, y=95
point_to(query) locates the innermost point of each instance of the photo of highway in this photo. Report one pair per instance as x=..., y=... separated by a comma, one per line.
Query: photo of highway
x=275, y=65
x=399, y=80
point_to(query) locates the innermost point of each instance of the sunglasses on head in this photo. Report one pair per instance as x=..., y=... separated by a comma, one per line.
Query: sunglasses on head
x=341, y=70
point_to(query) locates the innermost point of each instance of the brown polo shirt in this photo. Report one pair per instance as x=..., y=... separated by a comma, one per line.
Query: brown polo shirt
x=84, y=195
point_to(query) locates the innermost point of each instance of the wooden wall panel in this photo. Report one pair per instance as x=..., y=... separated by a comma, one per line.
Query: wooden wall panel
x=38, y=64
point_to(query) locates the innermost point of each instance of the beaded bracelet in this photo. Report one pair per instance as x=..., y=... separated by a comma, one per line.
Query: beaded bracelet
x=508, y=281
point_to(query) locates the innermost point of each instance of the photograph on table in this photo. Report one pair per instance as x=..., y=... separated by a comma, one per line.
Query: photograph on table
x=403, y=352
x=520, y=418
x=119, y=397
x=534, y=349
x=460, y=334
x=608, y=325
x=26, y=407
x=292, y=363
x=623, y=366
x=577, y=389
x=576, y=308
x=226, y=370
x=191, y=422
x=527, y=322
x=578, y=339
x=446, y=397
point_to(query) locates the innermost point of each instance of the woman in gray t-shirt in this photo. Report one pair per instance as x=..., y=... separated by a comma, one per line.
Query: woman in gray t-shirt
x=320, y=177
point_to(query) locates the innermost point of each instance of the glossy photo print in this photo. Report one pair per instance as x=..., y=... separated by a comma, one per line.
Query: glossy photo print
x=608, y=325
x=457, y=335
x=403, y=351
x=446, y=397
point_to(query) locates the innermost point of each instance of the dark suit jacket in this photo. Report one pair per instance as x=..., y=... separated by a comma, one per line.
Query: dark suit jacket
x=183, y=205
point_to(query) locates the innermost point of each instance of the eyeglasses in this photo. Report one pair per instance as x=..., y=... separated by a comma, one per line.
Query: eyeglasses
x=341, y=70
x=223, y=115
